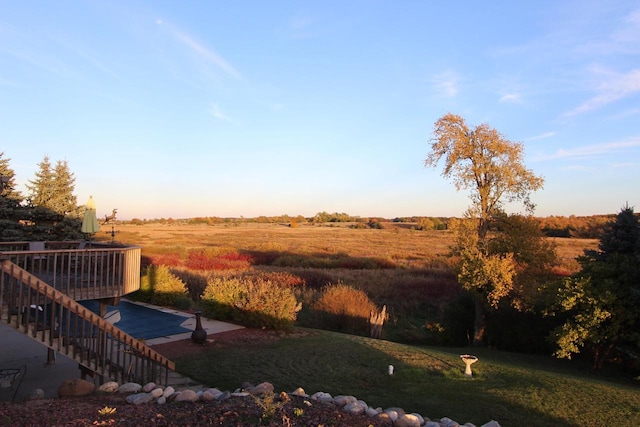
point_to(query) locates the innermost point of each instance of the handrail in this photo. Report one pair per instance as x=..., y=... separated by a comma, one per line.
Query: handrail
x=59, y=322
x=98, y=272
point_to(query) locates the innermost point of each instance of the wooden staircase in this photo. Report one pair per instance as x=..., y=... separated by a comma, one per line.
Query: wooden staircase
x=58, y=322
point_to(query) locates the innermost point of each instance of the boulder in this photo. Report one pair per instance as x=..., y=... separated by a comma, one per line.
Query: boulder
x=214, y=392
x=448, y=422
x=157, y=392
x=407, y=420
x=260, y=389
x=139, y=398
x=149, y=386
x=207, y=396
x=299, y=392
x=129, y=388
x=224, y=396
x=342, y=400
x=384, y=418
x=168, y=391
x=355, y=408
x=187, y=396
x=76, y=387
x=109, y=387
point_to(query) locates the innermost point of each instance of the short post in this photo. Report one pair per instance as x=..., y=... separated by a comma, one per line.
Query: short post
x=468, y=361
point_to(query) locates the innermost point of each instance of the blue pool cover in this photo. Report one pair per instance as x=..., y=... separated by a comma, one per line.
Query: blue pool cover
x=142, y=322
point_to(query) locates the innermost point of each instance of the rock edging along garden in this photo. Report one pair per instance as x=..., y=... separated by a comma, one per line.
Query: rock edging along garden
x=150, y=393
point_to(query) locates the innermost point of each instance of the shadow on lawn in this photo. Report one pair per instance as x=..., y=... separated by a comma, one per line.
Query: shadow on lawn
x=425, y=381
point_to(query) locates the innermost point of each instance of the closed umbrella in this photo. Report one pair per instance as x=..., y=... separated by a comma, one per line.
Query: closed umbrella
x=90, y=223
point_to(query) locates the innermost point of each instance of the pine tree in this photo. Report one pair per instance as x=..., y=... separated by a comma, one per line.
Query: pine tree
x=602, y=299
x=11, y=210
x=64, y=201
x=53, y=206
x=41, y=188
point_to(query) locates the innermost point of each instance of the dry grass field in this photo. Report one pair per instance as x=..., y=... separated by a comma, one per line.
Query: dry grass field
x=398, y=244
x=407, y=270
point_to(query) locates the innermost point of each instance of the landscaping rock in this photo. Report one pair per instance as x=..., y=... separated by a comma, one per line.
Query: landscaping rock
x=342, y=400
x=299, y=392
x=139, y=398
x=355, y=408
x=109, y=387
x=157, y=392
x=129, y=388
x=76, y=387
x=260, y=389
x=187, y=396
x=407, y=420
x=168, y=392
x=149, y=386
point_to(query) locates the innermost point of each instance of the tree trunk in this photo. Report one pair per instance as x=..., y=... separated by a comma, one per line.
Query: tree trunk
x=479, y=322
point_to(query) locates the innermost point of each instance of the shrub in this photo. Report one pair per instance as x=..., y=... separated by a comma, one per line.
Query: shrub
x=252, y=301
x=163, y=287
x=195, y=281
x=343, y=308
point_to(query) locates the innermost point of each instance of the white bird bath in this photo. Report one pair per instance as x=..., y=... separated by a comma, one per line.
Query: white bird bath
x=468, y=361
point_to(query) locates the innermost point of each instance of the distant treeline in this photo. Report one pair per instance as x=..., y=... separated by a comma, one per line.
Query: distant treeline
x=584, y=227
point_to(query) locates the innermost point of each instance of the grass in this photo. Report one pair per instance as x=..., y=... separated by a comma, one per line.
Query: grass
x=402, y=247
x=513, y=389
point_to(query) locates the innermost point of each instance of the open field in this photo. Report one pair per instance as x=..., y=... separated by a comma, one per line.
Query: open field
x=515, y=389
x=398, y=244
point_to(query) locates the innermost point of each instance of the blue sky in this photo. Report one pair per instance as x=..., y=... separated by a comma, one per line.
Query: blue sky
x=212, y=108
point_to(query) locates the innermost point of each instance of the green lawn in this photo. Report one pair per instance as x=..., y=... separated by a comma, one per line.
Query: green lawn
x=515, y=390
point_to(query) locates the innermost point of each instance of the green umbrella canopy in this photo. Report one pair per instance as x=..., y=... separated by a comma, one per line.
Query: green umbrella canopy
x=90, y=223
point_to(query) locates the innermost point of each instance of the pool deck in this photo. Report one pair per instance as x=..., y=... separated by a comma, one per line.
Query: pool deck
x=17, y=350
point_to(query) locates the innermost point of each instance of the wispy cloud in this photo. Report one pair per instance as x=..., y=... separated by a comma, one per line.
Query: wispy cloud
x=599, y=149
x=511, y=98
x=622, y=39
x=446, y=83
x=541, y=136
x=202, y=51
x=612, y=87
x=216, y=111
x=300, y=26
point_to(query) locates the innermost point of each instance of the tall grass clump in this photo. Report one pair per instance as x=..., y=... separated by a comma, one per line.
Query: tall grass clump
x=252, y=301
x=340, y=307
x=161, y=287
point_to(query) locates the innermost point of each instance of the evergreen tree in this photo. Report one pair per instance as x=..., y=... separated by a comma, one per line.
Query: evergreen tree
x=11, y=210
x=602, y=300
x=41, y=188
x=64, y=201
x=54, y=213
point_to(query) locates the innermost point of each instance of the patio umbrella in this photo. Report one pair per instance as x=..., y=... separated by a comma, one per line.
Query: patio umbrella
x=90, y=223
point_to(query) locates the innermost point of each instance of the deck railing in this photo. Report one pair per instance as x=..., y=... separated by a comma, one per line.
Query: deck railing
x=81, y=272
x=40, y=301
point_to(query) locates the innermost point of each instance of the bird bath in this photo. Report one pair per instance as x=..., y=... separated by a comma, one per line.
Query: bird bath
x=468, y=361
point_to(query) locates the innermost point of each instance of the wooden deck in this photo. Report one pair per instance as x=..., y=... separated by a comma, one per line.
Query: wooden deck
x=81, y=272
x=40, y=286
